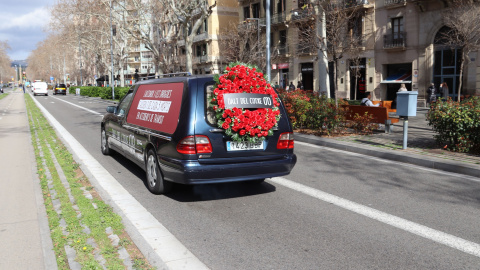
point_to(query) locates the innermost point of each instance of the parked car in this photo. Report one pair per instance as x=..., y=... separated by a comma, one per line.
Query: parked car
x=60, y=88
x=165, y=127
x=40, y=88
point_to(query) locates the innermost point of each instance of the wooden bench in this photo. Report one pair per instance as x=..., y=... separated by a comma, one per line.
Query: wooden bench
x=379, y=115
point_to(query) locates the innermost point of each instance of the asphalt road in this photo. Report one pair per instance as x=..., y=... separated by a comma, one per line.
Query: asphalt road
x=335, y=211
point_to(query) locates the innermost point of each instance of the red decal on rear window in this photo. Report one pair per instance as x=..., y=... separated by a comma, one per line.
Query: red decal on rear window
x=157, y=106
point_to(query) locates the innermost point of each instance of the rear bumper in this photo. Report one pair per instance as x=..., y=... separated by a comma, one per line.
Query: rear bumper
x=192, y=172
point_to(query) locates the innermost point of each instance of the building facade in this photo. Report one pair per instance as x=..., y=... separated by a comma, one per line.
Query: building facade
x=401, y=44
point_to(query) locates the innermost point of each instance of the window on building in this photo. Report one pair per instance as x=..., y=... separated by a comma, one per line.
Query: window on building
x=246, y=12
x=256, y=10
x=397, y=28
x=282, y=37
x=198, y=50
x=281, y=5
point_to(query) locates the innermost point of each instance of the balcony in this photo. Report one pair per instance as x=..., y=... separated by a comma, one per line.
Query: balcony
x=200, y=59
x=395, y=41
x=201, y=37
x=282, y=49
x=395, y=3
x=302, y=14
x=278, y=18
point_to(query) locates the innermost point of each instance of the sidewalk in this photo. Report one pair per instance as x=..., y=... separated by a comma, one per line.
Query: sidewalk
x=421, y=147
x=24, y=233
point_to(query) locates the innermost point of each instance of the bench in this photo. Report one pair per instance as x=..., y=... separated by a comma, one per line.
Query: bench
x=385, y=103
x=380, y=115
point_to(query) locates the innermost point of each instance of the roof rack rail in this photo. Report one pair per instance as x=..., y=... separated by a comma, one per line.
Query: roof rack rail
x=167, y=75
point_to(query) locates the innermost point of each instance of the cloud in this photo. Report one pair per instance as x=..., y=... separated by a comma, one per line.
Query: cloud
x=36, y=19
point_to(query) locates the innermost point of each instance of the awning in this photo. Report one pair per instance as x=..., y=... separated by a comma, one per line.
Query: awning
x=399, y=78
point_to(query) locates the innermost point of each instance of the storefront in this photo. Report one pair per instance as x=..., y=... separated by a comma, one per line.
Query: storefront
x=307, y=76
x=396, y=75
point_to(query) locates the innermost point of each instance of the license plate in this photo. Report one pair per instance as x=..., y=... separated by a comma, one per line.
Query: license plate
x=245, y=146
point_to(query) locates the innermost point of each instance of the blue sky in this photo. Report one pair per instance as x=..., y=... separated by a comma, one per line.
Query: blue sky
x=23, y=24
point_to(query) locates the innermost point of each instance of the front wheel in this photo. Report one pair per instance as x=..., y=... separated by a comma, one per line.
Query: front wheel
x=104, y=143
x=155, y=182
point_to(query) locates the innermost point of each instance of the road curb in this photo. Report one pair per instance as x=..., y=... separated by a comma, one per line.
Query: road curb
x=394, y=155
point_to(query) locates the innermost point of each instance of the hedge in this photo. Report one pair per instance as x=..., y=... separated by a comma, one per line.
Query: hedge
x=102, y=92
x=457, y=124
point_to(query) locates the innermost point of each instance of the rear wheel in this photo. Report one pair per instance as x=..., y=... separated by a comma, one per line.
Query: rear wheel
x=155, y=182
x=104, y=143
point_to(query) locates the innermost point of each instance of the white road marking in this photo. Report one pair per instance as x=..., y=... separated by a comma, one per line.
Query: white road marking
x=161, y=247
x=467, y=177
x=83, y=108
x=400, y=223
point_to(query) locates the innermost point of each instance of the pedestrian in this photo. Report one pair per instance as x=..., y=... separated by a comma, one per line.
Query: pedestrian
x=402, y=88
x=444, y=90
x=300, y=85
x=291, y=87
x=432, y=93
x=23, y=88
x=367, y=102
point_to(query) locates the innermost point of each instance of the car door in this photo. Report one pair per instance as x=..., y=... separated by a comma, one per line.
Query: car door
x=119, y=136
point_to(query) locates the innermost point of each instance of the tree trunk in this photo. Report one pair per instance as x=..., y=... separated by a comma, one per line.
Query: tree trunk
x=188, y=55
x=461, y=75
x=335, y=81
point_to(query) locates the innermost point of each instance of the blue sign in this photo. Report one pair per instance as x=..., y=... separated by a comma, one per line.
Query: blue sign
x=51, y=78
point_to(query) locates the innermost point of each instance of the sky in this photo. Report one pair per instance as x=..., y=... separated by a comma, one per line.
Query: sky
x=23, y=24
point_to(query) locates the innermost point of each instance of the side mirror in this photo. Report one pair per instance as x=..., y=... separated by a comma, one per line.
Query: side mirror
x=112, y=109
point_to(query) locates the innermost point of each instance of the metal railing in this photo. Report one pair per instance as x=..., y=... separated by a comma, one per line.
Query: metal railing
x=395, y=2
x=302, y=14
x=282, y=49
x=278, y=18
x=396, y=40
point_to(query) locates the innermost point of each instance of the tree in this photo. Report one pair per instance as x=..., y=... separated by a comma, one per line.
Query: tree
x=464, y=31
x=6, y=69
x=341, y=40
x=189, y=15
x=244, y=43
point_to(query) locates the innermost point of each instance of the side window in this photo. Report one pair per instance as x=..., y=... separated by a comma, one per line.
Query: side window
x=122, y=107
x=209, y=112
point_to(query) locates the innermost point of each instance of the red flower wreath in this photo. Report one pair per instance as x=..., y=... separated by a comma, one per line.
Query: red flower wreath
x=245, y=124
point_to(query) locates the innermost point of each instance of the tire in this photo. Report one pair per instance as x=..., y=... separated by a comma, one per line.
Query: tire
x=104, y=143
x=155, y=182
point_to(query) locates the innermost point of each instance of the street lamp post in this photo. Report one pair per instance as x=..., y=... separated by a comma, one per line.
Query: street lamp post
x=268, y=39
x=111, y=50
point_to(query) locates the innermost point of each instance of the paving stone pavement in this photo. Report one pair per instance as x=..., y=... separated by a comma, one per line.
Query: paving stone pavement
x=420, y=140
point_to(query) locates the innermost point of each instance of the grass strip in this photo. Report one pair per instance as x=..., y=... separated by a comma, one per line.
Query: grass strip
x=97, y=219
x=4, y=95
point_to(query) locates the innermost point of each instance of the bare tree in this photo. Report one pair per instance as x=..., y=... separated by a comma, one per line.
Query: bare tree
x=6, y=69
x=189, y=15
x=244, y=43
x=464, y=31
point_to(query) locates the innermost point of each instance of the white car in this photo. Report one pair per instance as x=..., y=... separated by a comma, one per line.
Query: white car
x=40, y=88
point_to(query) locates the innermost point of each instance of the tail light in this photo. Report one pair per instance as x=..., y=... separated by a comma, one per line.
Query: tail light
x=285, y=141
x=191, y=145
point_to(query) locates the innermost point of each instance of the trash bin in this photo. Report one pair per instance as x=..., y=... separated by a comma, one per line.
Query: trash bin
x=77, y=91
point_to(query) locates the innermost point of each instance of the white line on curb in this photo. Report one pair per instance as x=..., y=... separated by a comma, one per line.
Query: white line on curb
x=164, y=245
x=400, y=223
